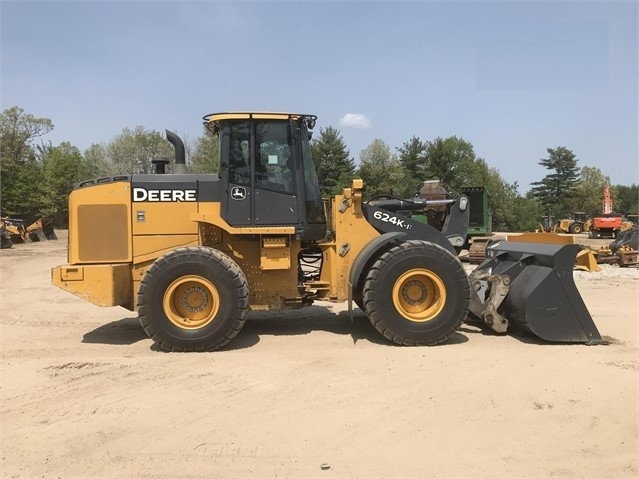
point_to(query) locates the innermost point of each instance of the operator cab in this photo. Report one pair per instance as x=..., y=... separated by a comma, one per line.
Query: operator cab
x=267, y=173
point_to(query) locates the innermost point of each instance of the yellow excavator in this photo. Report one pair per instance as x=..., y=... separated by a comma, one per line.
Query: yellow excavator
x=194, y=253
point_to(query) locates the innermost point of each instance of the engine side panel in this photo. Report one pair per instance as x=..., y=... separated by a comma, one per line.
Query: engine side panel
x=100, y=224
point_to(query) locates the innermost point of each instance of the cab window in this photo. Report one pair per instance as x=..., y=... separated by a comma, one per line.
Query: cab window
x=240, y=154
x=274, y=166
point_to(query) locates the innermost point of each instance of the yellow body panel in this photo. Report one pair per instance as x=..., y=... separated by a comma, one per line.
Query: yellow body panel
x=352, y=233
x=164, y=218
x=268, y=287
x=148, y=248
x=104, y=284
x=266, y=254
x=102, y=218
x=211, y=213
x=275, y=253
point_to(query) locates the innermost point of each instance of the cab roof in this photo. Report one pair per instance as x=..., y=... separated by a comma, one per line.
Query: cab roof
x=211, y=121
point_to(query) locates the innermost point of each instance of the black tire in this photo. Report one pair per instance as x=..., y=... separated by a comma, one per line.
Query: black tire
x=576, y=228
x=358, y=298
x=6, y=243
x=193, y=299
x=417, y=293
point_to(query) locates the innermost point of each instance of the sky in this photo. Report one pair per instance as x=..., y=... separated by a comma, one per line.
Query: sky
x=512, y=77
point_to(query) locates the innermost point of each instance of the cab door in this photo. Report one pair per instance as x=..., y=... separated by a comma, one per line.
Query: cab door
x=274, y=200
x=236, y=166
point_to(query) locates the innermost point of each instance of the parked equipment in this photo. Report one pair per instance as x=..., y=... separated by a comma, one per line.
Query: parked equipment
x=16, y=230
x=5, y=237
x=574, y=225
x=193, y=253
x=20, y=231
x=607, y=223
x=479, y=234
x=480, y=226
x=626, y=247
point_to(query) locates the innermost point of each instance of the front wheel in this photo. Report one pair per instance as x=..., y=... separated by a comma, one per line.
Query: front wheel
x=417, y=293
x=193, y=299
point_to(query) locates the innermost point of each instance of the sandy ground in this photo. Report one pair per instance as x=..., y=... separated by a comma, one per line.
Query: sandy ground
x=308, y=393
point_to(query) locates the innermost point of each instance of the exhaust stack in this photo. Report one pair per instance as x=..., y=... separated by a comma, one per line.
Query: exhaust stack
x=180, y=157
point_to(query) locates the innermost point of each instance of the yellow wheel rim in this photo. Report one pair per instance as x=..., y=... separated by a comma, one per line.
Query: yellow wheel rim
x=191, y=302
x=419, y=295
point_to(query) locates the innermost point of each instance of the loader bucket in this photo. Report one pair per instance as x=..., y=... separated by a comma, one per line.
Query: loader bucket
x=587, y=261
x=531, y=285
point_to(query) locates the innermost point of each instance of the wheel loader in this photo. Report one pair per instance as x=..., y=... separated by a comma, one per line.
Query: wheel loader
x=194, y=253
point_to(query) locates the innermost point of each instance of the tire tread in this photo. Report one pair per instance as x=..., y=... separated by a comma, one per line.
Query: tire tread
x=376, y=318
x=207, y=254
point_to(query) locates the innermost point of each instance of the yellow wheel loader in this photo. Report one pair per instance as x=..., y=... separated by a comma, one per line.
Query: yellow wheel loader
x=194, y=253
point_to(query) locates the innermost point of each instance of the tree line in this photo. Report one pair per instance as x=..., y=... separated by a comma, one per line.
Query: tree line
x=36, y=176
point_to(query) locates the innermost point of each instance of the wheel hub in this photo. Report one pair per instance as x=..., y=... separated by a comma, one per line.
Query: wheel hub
x=419, y=295
x=414, y=292
x=191, y=302
x=195, y=299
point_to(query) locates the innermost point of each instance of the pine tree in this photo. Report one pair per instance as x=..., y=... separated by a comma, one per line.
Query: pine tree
x=412, y=156
x=333, y=164
x=557, y=188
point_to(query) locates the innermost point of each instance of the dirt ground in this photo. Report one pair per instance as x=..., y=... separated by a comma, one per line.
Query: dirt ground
x=308, y=393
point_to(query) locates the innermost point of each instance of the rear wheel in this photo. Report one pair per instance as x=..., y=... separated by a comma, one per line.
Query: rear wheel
x=6, y=242
x=576, y=228
x=193, y=299
x=417, y=293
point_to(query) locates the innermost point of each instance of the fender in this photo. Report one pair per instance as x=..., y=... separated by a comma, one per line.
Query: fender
x=385, y=221
x=451, y=237
x=362, y=258
x=400, y=228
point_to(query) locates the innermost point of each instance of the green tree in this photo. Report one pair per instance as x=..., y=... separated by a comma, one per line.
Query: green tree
x=412, y=156
x=527, y=213
x=556, y=189
x=451, y=160
x=382, y=172
x=17, y=132
x=333, y=164
x=626, y=199
x=588, y=192
x=63, y=167
x=22, y=190
x=96, y=161
x=21, y=171
x=131, y=151
x=205, y=156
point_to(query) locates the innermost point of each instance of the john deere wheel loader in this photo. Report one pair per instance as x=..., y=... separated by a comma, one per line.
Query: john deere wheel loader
x=194, y=253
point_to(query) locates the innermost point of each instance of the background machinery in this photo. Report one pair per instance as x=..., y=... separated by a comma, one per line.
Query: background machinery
x=576, y=224
x=432, y=204
x=194, y=253
x=607, y=223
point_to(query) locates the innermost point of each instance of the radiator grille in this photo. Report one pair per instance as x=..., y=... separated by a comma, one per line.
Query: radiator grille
x=102, y=233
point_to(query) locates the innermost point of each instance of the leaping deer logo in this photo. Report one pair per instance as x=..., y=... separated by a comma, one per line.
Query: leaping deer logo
x=238, y=193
